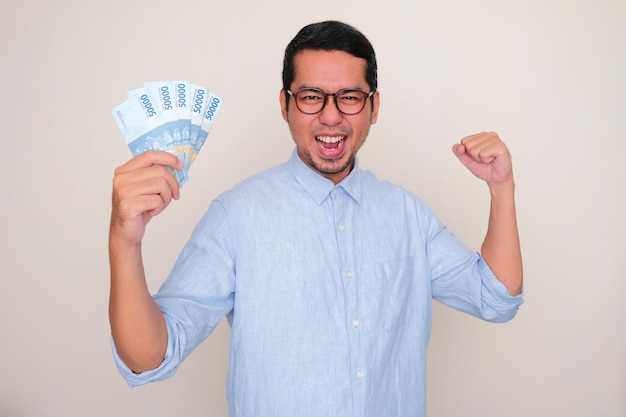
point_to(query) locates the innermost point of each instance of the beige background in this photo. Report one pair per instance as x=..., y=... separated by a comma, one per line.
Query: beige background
x=547, y=75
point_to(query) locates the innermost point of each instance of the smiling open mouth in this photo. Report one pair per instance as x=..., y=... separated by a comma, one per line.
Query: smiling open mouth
x=331, y=142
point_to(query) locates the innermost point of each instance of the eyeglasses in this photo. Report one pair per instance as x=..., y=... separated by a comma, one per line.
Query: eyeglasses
x=348, y=101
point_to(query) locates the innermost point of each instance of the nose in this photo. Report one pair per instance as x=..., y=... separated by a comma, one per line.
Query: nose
x=330, y=114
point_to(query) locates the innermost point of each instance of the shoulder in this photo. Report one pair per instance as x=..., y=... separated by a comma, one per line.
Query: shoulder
x=245, y=201
x=259, y=195
x=382, y=190
x=395, y=201
x=262, y=183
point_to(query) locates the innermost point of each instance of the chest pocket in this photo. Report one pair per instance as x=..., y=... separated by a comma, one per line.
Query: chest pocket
x=387, y=293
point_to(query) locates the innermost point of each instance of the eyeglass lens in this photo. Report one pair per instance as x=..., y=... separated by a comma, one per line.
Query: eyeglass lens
x=311, y=101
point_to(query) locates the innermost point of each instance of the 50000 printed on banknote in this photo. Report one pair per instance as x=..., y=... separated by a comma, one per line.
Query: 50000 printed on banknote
x=171, y=116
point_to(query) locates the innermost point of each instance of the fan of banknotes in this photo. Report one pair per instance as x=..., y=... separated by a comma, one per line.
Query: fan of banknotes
x=172, y=116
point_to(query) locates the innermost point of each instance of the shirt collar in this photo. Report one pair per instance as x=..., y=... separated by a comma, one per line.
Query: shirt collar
x=318, y=186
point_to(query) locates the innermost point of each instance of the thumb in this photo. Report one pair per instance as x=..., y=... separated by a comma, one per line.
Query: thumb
x=459, y=150
x=470, y=163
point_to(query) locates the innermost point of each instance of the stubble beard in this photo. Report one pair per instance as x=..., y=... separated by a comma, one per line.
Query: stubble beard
x=334, y=166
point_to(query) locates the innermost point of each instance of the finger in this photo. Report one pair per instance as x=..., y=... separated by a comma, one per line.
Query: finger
x=155, y=204
x=487, y=151
x=147, y=175
x=483, y=147
x=150, y=158
x=132, y=213
x=154, y=180
x=480, y=137
x=458, y=149
x=480, y=140
x=464, y=157
x=141, y=195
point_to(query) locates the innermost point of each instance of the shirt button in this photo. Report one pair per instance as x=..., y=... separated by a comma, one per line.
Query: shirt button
x=356, y=323
x=360, y=374
x=349, y=274
x=342, y=227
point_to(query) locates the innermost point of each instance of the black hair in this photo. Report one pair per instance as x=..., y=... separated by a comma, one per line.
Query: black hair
x=330, y=36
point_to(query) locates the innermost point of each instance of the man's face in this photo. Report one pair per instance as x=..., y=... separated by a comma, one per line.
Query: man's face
x=328, y=141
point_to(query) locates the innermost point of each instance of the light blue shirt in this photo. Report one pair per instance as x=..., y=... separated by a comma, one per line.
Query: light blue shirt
x=328, y=289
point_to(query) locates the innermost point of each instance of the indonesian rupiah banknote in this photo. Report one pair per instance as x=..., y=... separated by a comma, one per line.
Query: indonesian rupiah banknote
x=172, y=116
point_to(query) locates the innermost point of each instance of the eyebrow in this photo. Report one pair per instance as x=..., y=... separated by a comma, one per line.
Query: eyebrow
x=301, y=87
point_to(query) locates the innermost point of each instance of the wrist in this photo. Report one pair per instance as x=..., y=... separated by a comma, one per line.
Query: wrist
x=502, y=188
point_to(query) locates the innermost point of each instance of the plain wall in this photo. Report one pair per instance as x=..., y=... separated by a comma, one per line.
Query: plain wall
x=547, y=75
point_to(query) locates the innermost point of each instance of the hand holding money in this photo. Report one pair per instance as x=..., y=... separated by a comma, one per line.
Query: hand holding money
x=142, y=188
x=171, y=116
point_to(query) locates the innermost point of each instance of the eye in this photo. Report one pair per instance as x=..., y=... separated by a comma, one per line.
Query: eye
x=310, y=96
x=351, y=97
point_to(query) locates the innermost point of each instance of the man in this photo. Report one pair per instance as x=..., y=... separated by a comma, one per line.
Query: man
x=325, y=273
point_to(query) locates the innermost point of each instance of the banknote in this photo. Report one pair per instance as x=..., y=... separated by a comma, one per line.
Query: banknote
x=163, y=93
x=205, y=106
x=173, y=116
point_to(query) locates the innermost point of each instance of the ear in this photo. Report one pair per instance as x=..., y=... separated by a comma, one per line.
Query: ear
x=375, y=107
x=283, y=103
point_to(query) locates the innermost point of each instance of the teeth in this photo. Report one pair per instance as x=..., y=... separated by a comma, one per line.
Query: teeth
x=330, y=139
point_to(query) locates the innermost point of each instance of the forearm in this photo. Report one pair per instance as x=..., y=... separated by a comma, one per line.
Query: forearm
x=501, y=247
x=137, y=323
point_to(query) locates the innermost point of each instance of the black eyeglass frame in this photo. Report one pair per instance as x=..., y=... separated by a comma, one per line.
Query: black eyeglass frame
x=334, y=96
